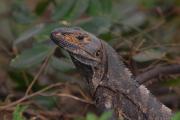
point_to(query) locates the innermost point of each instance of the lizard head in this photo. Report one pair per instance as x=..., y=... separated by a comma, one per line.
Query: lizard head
x=82, y=46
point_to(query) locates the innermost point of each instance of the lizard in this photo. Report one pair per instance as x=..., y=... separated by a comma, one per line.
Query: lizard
x=111, y=83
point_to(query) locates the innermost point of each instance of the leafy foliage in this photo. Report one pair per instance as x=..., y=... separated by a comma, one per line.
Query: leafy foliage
x=17, y=114
x=143, y=32
x=103, y=116
x=148, y=55
x=176, y=116
x=30, y=58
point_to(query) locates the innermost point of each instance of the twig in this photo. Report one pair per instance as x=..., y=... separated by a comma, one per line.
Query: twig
x=80, y=91
x=29, y=112
x=156, y=46
x=146, y=31
x=70, y=96
x=30, y=96
x=161, y=70
x=39, y=73
x=45, y=115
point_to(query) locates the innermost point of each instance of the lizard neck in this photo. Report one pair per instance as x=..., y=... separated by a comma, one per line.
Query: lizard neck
x=110, y=68
x=116, y=67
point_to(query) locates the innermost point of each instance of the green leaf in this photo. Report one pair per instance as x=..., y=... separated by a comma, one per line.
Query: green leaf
x=106, y=5
x=176, y=116
x=91, y=116
x=31, y=57
x=21, y=79
x=61, y=64
x=29, y=33
x=79, y=7
x=105, y=115
x=94, y=7
x=177, y=3
x=17, y=114
x=172, y=82
x=148, y=55
x=48, y=102
x=148, y=3
x=21, y=12
x=45, y=32
x=96, y=25
x=99, y=7
x=62, y=9
x=107, y=36
x=41, y=6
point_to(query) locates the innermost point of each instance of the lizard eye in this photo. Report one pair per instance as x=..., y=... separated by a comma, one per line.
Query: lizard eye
x=80, y=37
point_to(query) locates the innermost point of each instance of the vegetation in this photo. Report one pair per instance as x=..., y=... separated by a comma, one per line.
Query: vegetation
x=37, y=74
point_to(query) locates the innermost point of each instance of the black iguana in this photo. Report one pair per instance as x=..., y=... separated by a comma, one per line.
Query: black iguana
x=110, y=81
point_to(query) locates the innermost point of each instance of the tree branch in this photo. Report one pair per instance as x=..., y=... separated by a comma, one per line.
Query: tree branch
x=157, y=71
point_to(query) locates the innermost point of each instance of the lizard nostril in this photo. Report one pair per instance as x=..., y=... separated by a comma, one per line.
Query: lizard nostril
x=54, y=32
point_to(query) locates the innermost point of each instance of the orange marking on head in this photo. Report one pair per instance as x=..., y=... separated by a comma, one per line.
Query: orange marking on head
x=71, y=39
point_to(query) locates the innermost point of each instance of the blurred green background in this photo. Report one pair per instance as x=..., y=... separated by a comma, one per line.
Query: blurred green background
x=145, y=32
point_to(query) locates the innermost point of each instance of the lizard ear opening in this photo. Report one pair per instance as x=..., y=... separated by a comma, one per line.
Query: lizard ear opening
x=98, y=52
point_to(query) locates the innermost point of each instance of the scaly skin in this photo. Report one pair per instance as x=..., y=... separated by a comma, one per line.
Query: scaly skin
x=110, y=82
